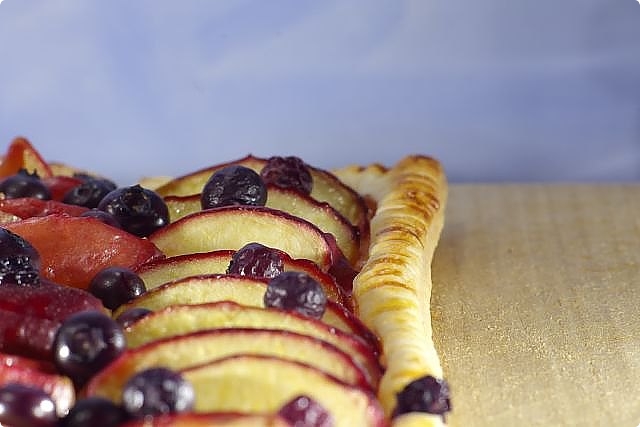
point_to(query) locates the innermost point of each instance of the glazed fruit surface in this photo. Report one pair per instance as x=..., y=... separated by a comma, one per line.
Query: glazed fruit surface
x=151, y=300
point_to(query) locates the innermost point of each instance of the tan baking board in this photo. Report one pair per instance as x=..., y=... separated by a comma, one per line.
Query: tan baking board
x=536, y=305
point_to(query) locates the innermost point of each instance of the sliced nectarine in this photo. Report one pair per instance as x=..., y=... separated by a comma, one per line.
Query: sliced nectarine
x=295, y=203
x=39, y=374
x=168, y=269
x=27, y=207
x=182, y=319
x=196, y=348
x=30, y=315
x=326, y=188
x=232, y=227
x=22, y=155
x=74, y=249
x=264, y=384
x=59, y=185
x=217, y=419
x=239, y=289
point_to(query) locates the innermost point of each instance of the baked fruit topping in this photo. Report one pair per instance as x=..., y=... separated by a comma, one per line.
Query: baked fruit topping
x=297, y=292
x=116, y=286
x=31, y=315
x=302, y=410
x=138, y=210
x=426, y=394
x=85, y=343
x=24, y=184
x=287, y=172
x=94, y=411
x=256, y=260
x=19, y=261
x=233, y=185
x=157, y=391
x=215, y=229
x=257, y=292
x=40, y=375
x=74, y=249
x=89, y=192
x=26, y=406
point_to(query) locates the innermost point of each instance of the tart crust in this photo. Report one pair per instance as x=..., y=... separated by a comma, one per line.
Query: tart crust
x=392, y=292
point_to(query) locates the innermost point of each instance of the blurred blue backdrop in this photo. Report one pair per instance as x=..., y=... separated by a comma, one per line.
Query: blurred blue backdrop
x=499, y=90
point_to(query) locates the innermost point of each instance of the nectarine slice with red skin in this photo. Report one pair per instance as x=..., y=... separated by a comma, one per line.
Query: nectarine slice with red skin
x=239, y=289
x=182, y=319
x=193, y=182
x=59, y=185
x=200, y=347
x=326, y=188
x=217, y=419
x=30, y=315
x=27, y=207
x=39, y=374
x=168, y=269
x=252, y=383
x=22, y=155
x=232, y=227
x=73, y=249
x=295, y=203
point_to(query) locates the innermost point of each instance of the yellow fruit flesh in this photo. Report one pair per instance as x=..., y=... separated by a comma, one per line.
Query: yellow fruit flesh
x=178, y=320
x=216, y=262
x=266, y=384
x=200, y=348
x=216, y=288
x=322, y=215
x=232, y=228
x=326, y=188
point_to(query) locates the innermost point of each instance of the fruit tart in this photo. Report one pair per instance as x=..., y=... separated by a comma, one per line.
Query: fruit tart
x=255, y=292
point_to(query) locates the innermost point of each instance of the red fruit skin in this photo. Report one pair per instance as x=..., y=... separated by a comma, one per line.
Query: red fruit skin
x=22, y=155
x=340, y=268
x=39, y=374
x=28, y=207
x=74, y=249
x=31, y=315
x=59, y=185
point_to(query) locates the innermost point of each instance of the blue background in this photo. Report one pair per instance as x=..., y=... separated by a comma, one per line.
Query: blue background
x=499, y=90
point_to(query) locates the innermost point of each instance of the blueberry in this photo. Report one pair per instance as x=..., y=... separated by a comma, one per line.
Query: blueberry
x=303, y=411
x=86, y=342
x=103, y=216
x=19, y=260
x=296, y=291
x=24, y=184
x=233, y=185
x=288, y=172
x=115, y=286
x=157, y=391
x=425, y=394
x=139, y=211
x=26, y=406
x=256, y=260
x=89, y=192
x=86, y=177
x=94, y=411
x=132, y=315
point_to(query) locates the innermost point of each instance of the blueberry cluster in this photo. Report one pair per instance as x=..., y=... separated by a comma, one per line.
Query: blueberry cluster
x=240, y=185
x=84, y=344
x=135, y=209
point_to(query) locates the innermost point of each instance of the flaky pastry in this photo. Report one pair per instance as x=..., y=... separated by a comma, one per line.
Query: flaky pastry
x=392, y=292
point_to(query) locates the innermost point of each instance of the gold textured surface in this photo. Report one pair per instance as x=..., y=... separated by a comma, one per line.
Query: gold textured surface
x=536, y=305
x=392, y=291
